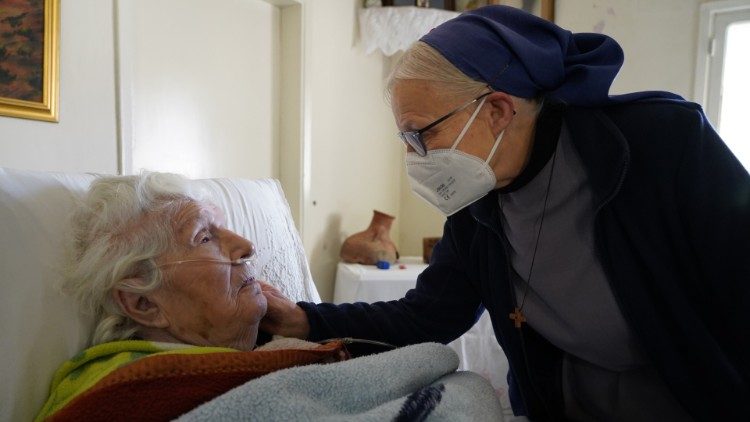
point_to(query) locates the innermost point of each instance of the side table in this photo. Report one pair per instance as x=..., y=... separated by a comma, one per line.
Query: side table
x=477, y=349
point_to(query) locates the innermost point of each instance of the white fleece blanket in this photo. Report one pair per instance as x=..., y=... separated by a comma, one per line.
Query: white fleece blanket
x=413, y=383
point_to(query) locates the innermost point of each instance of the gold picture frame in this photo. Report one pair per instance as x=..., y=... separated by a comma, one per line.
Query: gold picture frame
x=542, y=8
x=29, y=55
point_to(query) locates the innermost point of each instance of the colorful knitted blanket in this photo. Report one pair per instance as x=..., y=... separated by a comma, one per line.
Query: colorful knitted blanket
x=149, y=381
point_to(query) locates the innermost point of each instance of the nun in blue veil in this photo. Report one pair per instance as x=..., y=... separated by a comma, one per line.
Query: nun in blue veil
x=606, y=235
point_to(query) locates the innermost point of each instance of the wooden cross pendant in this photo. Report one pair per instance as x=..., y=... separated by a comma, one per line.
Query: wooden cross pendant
x=517, y=317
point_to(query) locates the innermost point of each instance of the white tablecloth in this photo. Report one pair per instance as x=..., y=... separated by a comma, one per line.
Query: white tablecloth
x=477, y=349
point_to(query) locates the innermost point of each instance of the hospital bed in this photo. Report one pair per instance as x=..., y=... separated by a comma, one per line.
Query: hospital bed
x=40, y=328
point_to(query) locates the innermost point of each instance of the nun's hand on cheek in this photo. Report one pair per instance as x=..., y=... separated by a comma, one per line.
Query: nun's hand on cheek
x=283, y=317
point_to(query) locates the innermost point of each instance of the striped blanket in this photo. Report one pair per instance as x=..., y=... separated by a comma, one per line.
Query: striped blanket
x=149, y=381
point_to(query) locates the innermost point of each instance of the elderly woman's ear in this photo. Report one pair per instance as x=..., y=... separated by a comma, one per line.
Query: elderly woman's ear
x=139, y=307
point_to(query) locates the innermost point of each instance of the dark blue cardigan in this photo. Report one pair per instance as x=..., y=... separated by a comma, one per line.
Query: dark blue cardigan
x=672, y=232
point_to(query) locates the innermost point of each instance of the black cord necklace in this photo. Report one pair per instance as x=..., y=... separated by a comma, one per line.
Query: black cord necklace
x=547, y=132
x=517, y=315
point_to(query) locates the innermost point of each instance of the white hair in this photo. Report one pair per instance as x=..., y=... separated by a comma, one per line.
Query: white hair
x=122, y=224
x=423, y=62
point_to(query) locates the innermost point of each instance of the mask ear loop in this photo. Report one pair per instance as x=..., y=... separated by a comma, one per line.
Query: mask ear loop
x=494, y=147
x=502, y=133
x=468, y=124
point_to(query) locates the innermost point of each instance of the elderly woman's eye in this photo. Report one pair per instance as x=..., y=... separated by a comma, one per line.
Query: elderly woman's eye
x=204, y=237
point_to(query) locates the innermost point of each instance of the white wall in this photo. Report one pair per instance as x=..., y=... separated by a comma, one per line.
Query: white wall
x=355, y=157
x=84, y=139
x=418, y=219
x=204, y=99
x=291, y=108
x=659, y=40
x=203, y=86
x=658, y=37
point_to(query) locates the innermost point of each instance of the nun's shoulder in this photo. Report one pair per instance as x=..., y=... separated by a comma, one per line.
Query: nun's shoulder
x=659, y=111
x=653, y=127
x=659, y=127
x=644, y=119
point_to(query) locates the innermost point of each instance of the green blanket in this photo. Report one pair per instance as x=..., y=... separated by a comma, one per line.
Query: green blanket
x=84, y=370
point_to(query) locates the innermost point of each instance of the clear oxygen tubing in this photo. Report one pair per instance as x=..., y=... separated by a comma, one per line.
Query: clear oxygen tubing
x=238, y=261
x=350, y=340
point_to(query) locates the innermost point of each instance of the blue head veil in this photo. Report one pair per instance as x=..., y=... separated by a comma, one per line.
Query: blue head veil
x=526, y=56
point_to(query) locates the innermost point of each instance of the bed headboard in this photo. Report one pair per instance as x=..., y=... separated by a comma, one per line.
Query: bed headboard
x=40, y=328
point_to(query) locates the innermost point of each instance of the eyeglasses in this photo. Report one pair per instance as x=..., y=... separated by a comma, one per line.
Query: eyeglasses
x=414, y=138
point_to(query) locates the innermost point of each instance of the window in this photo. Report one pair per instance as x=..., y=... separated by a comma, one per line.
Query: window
x=723, y=72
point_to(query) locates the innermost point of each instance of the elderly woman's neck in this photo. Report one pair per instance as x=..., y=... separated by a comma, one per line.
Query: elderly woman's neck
x=157, y=334
x=164, y=336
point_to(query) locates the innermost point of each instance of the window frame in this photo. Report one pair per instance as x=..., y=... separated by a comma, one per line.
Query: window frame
x=715, y=18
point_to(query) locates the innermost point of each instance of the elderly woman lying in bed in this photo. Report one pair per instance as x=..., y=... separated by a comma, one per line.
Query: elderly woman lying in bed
x=161, y=273
x=177, y=311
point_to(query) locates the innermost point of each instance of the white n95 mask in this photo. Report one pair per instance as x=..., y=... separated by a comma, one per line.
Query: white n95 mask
x=449, y=179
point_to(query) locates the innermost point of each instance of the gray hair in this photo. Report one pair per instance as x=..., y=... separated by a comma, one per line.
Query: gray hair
x=423, y=62
x=121, y=225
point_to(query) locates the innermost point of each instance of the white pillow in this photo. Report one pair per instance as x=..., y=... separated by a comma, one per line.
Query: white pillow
x=258, y=210
x=40, y=328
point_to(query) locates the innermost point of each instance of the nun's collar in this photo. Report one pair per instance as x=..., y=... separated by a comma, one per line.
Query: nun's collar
x=546, y=134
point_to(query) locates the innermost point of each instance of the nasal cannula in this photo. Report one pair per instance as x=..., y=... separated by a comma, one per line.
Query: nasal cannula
x=238, y=261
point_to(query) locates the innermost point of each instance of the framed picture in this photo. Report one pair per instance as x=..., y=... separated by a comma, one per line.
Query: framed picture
x=435, y=4
x=29, y=78
x=542, y=8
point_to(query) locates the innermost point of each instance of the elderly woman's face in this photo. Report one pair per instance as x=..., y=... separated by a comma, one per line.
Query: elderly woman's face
x=209, y=303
